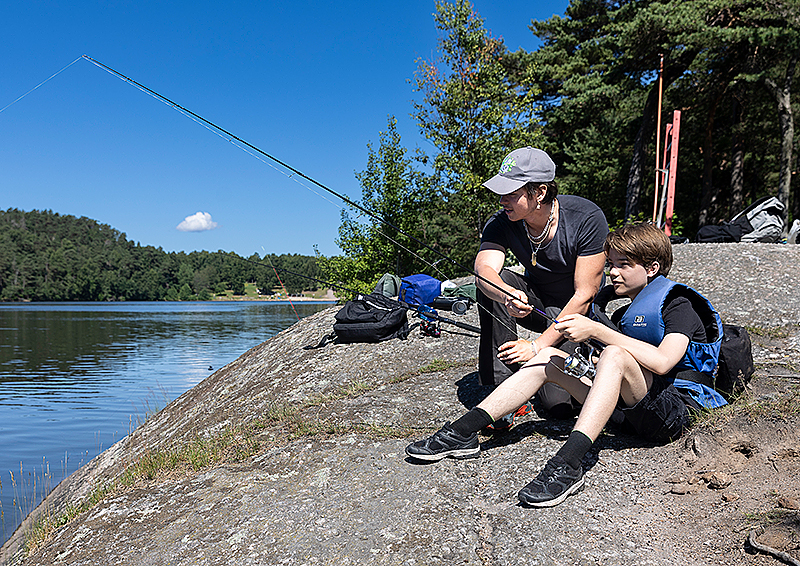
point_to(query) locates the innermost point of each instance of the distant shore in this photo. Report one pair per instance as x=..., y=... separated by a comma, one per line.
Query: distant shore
x=328, y=296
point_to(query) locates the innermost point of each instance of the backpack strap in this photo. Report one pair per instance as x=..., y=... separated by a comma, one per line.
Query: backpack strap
x=597, y=310
x=696, y=377
x=323, y=342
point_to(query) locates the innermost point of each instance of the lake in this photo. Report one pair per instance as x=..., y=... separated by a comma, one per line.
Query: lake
x=77, y=377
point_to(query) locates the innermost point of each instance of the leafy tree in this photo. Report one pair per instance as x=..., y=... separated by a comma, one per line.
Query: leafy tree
x=478, y=103
x=46, y=256
x=598, y=68
x=394, y=193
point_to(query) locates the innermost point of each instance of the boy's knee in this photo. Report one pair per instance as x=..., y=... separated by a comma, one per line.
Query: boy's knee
x=549, y=352
x=543, y=357
x=615, y=355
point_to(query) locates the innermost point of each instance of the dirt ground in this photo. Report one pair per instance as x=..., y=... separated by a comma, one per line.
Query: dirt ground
x=734, y=476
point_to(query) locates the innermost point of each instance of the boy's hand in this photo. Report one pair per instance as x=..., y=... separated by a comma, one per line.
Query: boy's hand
x=517, y=305
x=516, y=351
x=576, y=327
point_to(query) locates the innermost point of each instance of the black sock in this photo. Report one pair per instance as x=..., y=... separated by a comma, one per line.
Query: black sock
x=472, y=421
x=576, y=447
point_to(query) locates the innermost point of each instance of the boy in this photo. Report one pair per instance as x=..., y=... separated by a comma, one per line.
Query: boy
x=662, y=333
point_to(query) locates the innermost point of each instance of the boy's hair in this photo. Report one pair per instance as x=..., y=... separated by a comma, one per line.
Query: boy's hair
x=642, y=243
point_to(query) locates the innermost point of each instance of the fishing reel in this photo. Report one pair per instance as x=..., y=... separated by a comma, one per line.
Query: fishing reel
x=429, y=325
x=456, y=305
x=580, y=363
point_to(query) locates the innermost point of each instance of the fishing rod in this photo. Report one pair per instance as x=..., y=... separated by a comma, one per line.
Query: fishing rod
x=422, y=310
x=299, y=173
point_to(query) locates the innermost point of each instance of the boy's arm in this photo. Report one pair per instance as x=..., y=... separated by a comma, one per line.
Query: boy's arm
x=658, y=359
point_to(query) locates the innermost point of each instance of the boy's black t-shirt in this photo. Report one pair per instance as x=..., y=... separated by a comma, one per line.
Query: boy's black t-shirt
x=681, y=318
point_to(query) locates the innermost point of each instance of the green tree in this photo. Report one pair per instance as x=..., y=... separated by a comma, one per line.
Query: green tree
x=478, y=103
x=598, y=67
x=46, y=256
x=395, y=194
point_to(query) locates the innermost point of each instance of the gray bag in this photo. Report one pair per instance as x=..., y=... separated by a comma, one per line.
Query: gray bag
x=388, y=285
x=762, y=221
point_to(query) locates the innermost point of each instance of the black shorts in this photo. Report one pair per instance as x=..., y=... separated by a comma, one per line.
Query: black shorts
x=661, y=416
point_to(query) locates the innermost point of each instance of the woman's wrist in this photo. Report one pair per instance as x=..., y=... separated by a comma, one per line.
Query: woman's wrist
x=534, y=347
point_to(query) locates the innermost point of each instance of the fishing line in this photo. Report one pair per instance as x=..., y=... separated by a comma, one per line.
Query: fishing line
x=231, y=137
x=41, y=83
x=281, y=282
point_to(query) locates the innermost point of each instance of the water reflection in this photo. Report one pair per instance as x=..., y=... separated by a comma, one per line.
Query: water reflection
x=76, y=377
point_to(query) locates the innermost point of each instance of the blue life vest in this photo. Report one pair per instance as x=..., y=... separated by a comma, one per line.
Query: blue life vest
x=644, y=320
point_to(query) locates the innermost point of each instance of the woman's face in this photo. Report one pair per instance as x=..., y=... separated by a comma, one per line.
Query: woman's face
x=519, y=205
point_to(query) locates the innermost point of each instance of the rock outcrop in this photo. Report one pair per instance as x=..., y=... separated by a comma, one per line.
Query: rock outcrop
x=324, y=479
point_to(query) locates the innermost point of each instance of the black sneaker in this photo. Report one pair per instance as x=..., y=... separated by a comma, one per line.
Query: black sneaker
x=445, y=443
x=557, y=481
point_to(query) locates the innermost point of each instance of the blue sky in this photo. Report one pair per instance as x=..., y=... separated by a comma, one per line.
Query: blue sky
x=308, y=82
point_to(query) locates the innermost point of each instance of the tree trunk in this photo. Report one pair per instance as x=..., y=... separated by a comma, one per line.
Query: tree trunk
x=709, y=200
x=635, y=181
x=783, y=98
x=737, y=162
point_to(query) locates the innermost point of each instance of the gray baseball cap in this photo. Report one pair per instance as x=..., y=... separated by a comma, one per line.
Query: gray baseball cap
x=522, y=166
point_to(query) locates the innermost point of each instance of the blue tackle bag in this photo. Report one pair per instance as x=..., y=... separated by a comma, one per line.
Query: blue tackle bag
x=419, y=289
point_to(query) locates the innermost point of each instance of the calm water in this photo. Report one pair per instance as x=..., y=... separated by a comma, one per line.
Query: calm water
x=77, y=377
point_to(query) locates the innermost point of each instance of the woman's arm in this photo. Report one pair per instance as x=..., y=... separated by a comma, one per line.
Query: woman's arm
x=587, y=279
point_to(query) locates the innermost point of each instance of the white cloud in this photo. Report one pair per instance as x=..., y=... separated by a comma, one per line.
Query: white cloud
x=197, y=223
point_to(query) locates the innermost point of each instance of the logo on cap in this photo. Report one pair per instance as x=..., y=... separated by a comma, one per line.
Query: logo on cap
x=507, y=164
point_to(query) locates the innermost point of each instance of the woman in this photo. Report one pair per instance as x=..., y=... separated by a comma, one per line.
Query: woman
x=559, y=241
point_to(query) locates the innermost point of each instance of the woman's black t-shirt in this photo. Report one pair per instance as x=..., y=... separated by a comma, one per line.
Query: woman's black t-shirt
x=582, y=230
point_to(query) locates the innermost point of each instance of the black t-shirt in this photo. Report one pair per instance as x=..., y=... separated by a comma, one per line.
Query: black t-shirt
x=681, y=318
x=582, y=230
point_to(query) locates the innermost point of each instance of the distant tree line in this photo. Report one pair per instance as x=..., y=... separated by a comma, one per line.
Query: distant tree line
x=45, y=256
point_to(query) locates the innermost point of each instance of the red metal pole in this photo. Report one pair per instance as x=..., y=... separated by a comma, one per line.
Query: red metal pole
x=673, y=171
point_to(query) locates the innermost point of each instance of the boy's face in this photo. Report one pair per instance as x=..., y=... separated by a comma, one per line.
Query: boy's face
x=628, y=277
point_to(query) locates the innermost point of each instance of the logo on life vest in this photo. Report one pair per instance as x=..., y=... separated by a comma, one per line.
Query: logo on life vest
x=638, y=320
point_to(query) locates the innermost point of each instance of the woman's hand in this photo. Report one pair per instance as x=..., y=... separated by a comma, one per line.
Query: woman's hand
x=517, y=351
x=516, y=302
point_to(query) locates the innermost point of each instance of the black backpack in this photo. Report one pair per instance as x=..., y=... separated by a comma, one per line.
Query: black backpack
x=736, y=366
x=371, y=318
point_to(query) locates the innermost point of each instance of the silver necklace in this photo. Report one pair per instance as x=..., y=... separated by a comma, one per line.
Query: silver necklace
x=538, y=241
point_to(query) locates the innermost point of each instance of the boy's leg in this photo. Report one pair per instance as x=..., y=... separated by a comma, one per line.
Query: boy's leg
x=618, y=375
x=521, y=386
x=460, y=440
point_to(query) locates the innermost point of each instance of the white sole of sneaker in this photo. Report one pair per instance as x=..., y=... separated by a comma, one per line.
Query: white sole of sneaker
x=574, y=488
x=464, y=454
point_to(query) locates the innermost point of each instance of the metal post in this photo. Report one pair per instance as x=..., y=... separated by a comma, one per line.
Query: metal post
x=662, y=203
x=673, y=170
x=658, y=135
